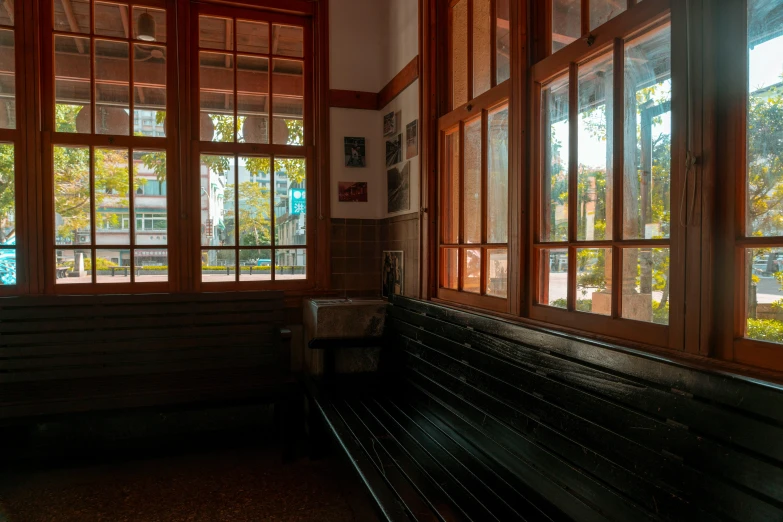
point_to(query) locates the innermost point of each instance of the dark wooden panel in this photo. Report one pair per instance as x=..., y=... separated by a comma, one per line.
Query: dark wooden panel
x=363, y=100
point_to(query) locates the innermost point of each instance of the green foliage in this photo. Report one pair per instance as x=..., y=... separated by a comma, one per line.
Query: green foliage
x=7, y=192
x=102, y=264
x=769, y=330
x=765, y=158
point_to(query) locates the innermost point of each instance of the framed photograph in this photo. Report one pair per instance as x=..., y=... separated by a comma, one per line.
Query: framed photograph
x=398, y=189
x=392, y=273
x=352, y=191
x=394, y=151
x=412, y=139
x=355, y=152
x=390, y=124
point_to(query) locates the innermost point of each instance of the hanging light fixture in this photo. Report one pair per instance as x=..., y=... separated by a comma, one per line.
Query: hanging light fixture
x=146, y=26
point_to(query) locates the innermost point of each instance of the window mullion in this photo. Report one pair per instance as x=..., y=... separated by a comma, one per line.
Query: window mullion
x=585, y=17
x=470, y=50
x=618, y=152
x=573, y=167
x=484, y=210
x=131, y=207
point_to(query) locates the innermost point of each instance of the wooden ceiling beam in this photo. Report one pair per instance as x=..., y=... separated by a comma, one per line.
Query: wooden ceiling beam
x=9, y=7
x=74, y=25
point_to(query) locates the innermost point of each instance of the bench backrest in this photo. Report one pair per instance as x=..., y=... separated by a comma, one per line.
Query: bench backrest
x=601, y=431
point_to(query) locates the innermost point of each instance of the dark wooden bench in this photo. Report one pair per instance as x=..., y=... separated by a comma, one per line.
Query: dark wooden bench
x=71, y=354
x=475, y=418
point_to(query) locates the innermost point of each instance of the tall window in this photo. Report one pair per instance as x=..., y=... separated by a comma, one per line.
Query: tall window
x=10, y=137
x=474, y=142
x=106, y=109
x=253, y=114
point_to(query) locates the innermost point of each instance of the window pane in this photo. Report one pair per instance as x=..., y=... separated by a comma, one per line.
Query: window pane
x=459, y=53
x=497, y=176
x=290, y=201
x=594, y=280
x=497, y=278
x=252, y=37
x=648, y=136
x=7, y=80
x=111, y=196
x=72, y=221
x=450, y=275
x=112, y=20
x=594, y=197
x=765, y=124
x=150, y=201
x=145, y=29
x=216, y=83
x=72, y=16
x=566, y=23
x=255, y=222
x=553, y=277
x=152, y=266
x=112, y=75
x=72, y=267
x=112, y=266
x=601, y=11
x=72, y=84
x=6, y=16
x=482, y=47
x=7, y=266
x=472, y=265
x=646, y=284
x=149, y=90
x=764, y=294
x=290, y=264
x=288, y=102
x=7, y=195
x=255, y=265
x=503, y=41
x=288, y=40
x=253, y=99
x=472, y=182
x=555, y=161
x=215, y=33
x=450, y=212
x=218, y=266
x=217, y=200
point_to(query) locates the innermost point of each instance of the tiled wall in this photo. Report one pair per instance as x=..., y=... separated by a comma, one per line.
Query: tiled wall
x=402, y=233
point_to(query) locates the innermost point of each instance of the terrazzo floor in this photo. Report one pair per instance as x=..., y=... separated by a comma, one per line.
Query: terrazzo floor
x=248, y=484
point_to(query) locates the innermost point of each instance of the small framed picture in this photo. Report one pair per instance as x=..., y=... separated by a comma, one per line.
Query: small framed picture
x=394, y=150
x=412, y=139
x=392, y=272
x=352, y=191
x=355, y=155
x=390, y=124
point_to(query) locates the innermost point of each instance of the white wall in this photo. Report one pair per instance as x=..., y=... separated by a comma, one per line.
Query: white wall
x=356, y=45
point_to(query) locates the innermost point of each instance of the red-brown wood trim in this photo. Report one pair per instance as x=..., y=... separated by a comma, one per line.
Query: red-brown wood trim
x=362, y=100
x=296, y=7
x=404, y=78
x=370, y=101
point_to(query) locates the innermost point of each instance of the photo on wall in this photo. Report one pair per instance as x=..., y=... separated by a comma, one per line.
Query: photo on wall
x=394, y=151
x=390, y=123
x=399, y=191
x=355, y=152
x=352, y=191
x=392, y=273
x=412, y=139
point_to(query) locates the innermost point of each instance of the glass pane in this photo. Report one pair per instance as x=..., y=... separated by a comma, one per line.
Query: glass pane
x=252, y=37
x=601, y=11
x=450, y=212
x=566, y=23
x=553, y=278
x=218, y=266
x=450, y=275
x=482, y=47
x=112, y=20
x=594, y=280
x=112, y=95
x=7, y=80
x=288, y=40
x=290, y=264
x=149, y=200
x=111, y=197
x=497, y=278
x=217, y=200
x=764, y=294
x=255, y=221
x=472, y=182
x=594, y=185
x=72, y=16
x=72, y=84
x=497, y=176
x=253, y=99
x=459, y=54
x=7, y=15
x=7, y=266
x=555, y=161
x=72, y=267
x=152, y=265
x=216, y=83
x=290, y=201
x=765, y=124
x=648, y=136
x=216, y=33
x=72, y=221
x=112, y=266
x=255, y=265
x=7, y=196
x=288, y=102
x=646, y=284
x=149, y=90
x=472, y=280
x=503, y=41
x=149, y=24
